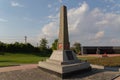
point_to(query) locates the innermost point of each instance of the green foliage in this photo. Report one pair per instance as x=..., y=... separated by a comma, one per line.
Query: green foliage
x=106, y=61
x=43, y=47
x=43, y=44
x=17, y=47
x=2, y=47
x=26, y=48
x=54, y=45
x=76, y=47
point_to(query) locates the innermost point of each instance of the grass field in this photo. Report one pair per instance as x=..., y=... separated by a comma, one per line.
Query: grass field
x=86, y=57
x=16, y=59
x=106, y=61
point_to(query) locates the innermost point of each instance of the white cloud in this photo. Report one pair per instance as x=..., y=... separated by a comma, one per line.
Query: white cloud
x=16, y=4
x=115, y=40
x=50, y=30
x=99, y=35
x=75, y=16
x=3, y=20
x=103, y=22
x=89, y=27
x=51, y=17
x=49, y=5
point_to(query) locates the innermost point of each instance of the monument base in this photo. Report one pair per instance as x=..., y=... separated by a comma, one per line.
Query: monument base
x=64, y=65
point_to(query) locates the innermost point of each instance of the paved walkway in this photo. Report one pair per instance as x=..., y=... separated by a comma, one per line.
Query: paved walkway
x=31, y=72
x=21, y=67
x=118, y=78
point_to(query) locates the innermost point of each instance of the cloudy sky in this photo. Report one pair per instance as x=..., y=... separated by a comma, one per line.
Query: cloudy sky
x=90, y=22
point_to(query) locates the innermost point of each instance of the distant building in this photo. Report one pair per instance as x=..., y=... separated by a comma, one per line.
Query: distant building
x=101, y=49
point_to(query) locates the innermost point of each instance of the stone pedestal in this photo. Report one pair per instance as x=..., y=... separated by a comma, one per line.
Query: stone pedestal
x=63, y=63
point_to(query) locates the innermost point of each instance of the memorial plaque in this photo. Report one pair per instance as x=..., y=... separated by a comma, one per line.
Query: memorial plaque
x=69, y=55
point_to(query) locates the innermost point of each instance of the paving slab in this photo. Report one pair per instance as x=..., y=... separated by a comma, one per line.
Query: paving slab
x=21, y=67
x=38, y=74
x=117, y=78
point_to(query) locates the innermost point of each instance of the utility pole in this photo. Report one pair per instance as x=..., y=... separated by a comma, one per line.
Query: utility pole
x=25, y=39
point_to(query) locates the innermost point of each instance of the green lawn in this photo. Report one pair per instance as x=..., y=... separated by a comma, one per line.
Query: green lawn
x=16, y=59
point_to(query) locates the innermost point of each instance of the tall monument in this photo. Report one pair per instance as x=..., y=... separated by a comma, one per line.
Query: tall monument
x=63, y=61
x=63, y=41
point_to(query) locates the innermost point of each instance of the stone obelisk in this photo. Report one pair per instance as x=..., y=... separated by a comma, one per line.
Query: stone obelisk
x=63, y=61
x=63, y=41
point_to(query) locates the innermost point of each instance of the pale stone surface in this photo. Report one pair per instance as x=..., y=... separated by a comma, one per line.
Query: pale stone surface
x=64, y=68
x=21, y=67
x=118, y=78
x=60, y=63
x=63, y=40
x=37, y=74
x=60, y=55
x=105, y=68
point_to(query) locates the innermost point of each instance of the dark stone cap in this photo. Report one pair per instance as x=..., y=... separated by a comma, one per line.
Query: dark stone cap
x=63, y=6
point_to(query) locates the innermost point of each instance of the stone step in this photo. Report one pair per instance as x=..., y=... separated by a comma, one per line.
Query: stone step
x=51, y=66
x=63, y=63
x=61, y=68
x=54, y=61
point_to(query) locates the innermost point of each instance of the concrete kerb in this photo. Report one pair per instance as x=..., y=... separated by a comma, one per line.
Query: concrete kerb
x=116, y=78
x=105, y=68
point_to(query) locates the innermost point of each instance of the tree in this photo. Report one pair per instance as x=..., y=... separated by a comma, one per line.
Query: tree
x=54, y=44
x=43, y=44
x=17, y=48
x=77, y=47
x=2, y=48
